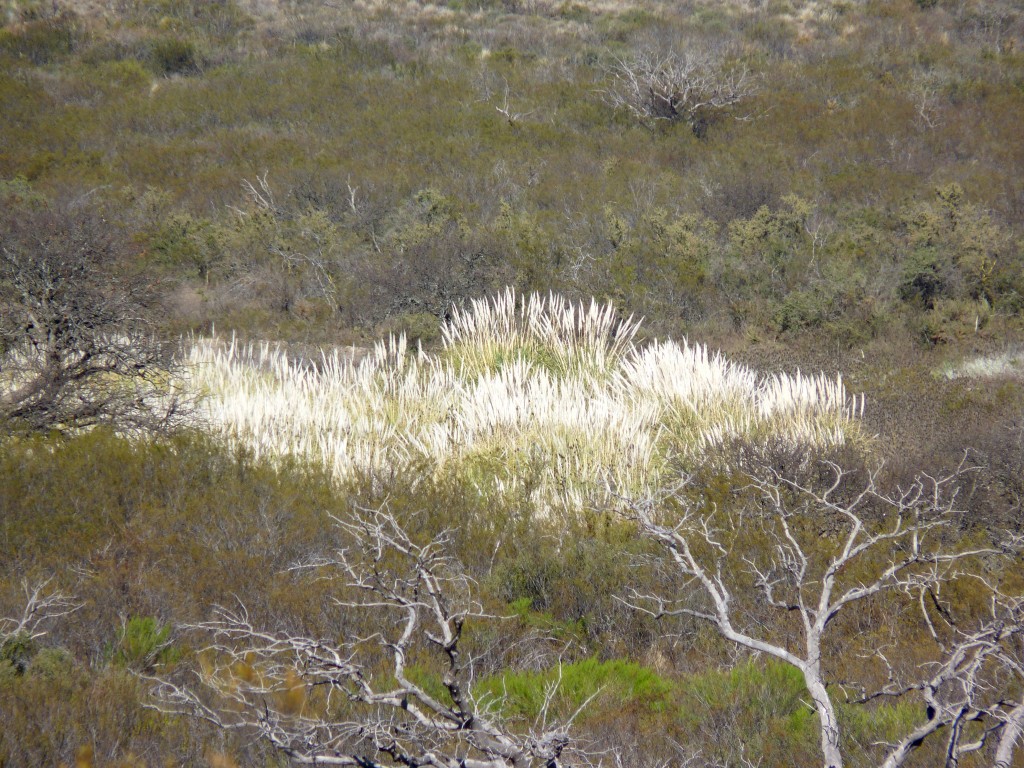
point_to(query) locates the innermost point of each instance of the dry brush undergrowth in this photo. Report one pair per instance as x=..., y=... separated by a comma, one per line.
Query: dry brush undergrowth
x=529, y=392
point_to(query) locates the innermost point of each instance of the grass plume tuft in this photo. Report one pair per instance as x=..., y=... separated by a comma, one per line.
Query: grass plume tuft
x=527, y=391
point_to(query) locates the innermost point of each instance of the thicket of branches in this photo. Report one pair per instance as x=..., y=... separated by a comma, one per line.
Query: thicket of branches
x=403, y=695
x=694, y=88
x=78, y=343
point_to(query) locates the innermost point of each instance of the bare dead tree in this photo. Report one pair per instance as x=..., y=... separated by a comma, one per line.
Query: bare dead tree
x=42, y=605
x=692, y=88
x=807, y=555
x=925, y=93
x=506, y=111
x=77, y=347
x=356, y=701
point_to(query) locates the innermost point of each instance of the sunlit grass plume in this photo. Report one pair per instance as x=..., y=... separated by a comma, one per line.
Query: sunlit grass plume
x=530, y=392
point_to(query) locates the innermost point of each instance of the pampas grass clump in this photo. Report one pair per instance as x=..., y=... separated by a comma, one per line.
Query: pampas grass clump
x=532, y=391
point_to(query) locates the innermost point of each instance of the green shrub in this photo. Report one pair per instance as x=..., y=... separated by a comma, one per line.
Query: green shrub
x=611, y=684
x=52, y=664
x=765, y=689
x=174, y=56
x=801, y=310
x=19, y=192
x=756, y=709
x=184, y=241
x=17, y=651
x=218, y=18
x=126, y=74
x=142, y=644
x=925, y=277
x=63, y=713
x=952, y=319
x=42, y=41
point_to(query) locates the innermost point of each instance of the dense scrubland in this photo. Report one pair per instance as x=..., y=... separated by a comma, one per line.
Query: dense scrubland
x=306, y=305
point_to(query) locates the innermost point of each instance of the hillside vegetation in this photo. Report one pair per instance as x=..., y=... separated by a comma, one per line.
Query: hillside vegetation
x=511, y=383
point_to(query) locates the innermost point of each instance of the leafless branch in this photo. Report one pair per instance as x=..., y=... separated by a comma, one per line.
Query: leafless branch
x=42, y=605
x=878, y=543
x=319, y=701
x=505, y=110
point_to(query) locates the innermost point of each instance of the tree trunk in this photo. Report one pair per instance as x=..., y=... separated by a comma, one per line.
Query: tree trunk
x=828, y=722
x=1008, y=738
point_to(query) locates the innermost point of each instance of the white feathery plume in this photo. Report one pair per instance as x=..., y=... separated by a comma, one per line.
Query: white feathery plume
x=521, y=383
